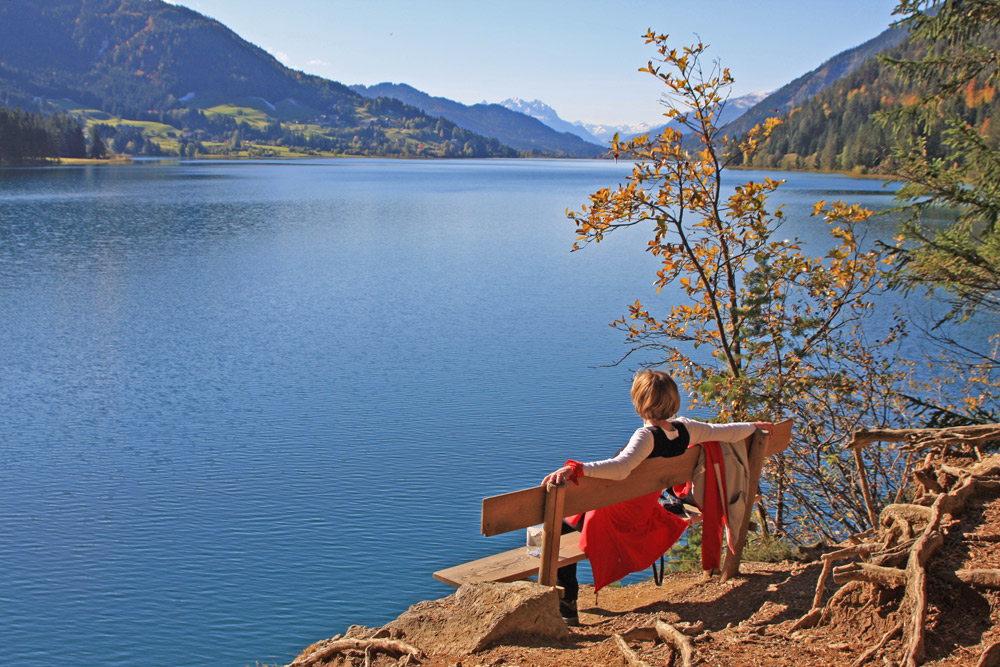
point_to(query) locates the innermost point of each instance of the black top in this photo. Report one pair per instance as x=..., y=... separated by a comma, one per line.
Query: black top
x=664, y=446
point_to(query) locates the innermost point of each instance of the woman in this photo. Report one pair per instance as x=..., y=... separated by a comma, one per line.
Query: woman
x=656, y=400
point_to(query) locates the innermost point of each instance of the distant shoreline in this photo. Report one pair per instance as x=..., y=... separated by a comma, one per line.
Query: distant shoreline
x=127, y=159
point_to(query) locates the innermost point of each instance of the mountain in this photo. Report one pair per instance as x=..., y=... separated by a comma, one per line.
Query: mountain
x=835, y=129
x=602, y=134
x=806, y=86
x=595, y=133
x=738, y=106
x=733, y=109
x=183, y=78
x=513, y=129
x=131, y=56
x=546, y=114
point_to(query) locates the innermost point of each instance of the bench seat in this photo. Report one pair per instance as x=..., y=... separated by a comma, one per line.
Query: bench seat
x=513, y=565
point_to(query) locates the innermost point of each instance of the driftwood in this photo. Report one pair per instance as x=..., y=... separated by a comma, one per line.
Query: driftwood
x=908, y=535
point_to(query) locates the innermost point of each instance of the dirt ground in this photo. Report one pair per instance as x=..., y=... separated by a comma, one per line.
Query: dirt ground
x=748, y=621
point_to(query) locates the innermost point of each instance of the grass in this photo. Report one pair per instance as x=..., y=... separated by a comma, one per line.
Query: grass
x=760, y=549
x=686, y=556
x=78, y=161
x=255, y=117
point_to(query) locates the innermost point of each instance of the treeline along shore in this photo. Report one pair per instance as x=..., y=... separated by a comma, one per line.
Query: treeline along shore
x=31, y=138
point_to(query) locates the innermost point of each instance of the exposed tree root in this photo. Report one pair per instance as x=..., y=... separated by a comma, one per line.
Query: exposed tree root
x=366, y=646
x=990, y=657
x=929, y=438
x=674, y=636
x=895, y=557
x=631, y=657
x=981, y=578
x=867, y=655
x=678, y=639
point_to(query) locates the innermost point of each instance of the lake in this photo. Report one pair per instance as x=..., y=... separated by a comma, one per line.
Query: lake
x=247, y=405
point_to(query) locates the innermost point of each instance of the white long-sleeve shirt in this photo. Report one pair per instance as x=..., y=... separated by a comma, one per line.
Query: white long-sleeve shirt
x=640, y=445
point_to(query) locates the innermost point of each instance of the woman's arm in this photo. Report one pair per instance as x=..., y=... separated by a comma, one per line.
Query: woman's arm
x=619, y=466
x=733, y=432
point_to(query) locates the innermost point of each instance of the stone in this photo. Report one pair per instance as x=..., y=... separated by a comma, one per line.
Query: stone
x=482, y=615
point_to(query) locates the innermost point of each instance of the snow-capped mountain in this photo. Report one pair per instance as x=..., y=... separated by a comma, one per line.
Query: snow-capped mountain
x=601, y=133
x=738, y=106
x=606, y=133
x=546, y=114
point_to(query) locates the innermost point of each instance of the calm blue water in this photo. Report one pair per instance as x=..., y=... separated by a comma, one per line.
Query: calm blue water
x=246, y=405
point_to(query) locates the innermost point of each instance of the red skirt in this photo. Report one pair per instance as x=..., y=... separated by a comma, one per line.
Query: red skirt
x=627, y=537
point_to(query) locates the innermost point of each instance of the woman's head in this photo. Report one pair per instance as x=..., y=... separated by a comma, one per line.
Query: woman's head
x=654, y=395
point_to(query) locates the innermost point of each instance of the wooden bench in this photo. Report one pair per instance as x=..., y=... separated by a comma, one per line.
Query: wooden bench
x=550, y=505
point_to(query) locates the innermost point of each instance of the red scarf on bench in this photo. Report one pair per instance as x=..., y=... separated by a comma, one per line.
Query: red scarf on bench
x=714, y=509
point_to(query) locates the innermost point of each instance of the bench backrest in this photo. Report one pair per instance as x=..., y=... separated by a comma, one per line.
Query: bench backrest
x=520, y=509
x=549, y=505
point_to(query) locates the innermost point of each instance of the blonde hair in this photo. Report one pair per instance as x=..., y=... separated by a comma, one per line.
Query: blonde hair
x=654, y=395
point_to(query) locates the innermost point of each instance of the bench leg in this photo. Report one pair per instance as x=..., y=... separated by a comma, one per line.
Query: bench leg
x=555, y=502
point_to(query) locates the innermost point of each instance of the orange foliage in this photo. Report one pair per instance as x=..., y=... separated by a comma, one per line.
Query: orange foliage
x=975, y=96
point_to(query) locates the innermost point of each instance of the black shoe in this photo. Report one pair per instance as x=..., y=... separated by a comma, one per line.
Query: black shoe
x=567, y=609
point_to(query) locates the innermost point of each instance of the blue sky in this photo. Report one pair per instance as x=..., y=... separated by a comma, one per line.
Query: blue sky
x=579, y=57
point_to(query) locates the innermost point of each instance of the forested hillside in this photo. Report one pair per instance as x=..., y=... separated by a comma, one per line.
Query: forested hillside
x=837, y=129
x=190, y=85
x=514, y=129
x=800, y=90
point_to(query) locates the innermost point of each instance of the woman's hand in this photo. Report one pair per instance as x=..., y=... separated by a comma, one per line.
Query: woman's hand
x=559, y=477
x=767, y=427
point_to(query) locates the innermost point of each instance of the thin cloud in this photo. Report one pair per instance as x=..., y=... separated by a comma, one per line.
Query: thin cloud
x=280, y=55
